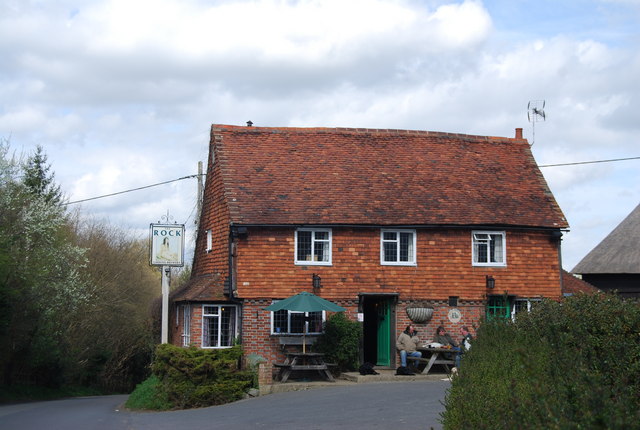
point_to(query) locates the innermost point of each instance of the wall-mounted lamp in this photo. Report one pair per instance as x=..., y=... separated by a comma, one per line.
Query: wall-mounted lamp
x=491, y=282
x=316, y=281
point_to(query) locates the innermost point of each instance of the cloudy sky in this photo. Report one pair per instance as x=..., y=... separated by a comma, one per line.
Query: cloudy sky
x=121, y=93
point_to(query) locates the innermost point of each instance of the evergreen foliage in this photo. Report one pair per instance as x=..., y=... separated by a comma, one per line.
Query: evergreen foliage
x=340, y=341
x=39, y=179
x=568, y=364
x=193, y=377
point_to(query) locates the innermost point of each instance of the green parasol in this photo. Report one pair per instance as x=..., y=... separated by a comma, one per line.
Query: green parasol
x=305, y=302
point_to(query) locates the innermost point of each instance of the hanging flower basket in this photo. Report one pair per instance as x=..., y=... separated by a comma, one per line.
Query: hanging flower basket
x=419, y=315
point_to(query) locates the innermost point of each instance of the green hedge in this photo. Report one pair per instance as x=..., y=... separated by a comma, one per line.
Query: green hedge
x=193, y=377
x=573, y=364
x=340, y=341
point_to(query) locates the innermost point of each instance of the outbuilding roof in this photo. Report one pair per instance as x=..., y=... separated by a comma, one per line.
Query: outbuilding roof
x=573, y=285
x=618, y=253
x=342, y=176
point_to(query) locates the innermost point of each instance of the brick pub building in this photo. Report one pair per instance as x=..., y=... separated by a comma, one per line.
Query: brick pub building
x=381, y=220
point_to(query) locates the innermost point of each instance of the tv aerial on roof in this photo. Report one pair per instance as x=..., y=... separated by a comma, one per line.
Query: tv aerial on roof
x=535, y=113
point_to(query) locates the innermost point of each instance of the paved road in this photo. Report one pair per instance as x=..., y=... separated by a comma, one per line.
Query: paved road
x=387, y=405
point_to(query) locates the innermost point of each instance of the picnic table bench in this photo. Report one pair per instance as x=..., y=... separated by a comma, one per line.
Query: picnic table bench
x=436, y=356
x=299, y=361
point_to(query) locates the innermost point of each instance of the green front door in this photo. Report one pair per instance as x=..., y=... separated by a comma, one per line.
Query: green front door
x=384, y=325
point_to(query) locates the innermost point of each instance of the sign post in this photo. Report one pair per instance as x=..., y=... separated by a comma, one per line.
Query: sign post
x=167, y=250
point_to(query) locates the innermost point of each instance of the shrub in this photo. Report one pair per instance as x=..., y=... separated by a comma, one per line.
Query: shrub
x=193, y=377
x=147, y=395
x=340, y=341
x=569, y=364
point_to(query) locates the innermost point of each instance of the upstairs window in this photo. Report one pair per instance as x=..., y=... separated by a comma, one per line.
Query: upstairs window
x=489, y=248
x=209, y=241
x=313, y=246
x=397, y=247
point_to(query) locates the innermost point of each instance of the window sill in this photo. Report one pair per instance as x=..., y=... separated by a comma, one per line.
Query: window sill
x=489, y=264
x=312, y=263
x=387, y=263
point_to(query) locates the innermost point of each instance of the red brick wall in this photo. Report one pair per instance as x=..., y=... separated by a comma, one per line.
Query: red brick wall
x=257, y=338
x=215, y=217
x=472, y=312
x=266, y=266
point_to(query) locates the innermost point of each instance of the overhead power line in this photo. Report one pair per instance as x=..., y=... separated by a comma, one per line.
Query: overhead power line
x=134, y=189
x=198, y=174
x=590, y=162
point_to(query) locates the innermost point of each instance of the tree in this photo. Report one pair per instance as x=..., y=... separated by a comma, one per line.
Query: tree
x=111, y=336
x=75, y=294
x=40, y=278
x=39, y=180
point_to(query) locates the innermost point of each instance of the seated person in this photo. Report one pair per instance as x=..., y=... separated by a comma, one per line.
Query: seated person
x=407, y=344
x=443, y=338
x=465, y=343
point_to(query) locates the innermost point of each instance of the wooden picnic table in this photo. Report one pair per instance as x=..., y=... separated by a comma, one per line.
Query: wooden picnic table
x=432, y=356
x=303, y=361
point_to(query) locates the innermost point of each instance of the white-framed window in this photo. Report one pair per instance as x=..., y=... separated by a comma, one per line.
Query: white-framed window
x=398, y=247
x=219, y=325
x=291, y=322
x=522, y=305
x=489, y=248
x=186, y=323
x=313, y=246
x=209, y=241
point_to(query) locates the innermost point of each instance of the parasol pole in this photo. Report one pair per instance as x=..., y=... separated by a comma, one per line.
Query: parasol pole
x=304, y=334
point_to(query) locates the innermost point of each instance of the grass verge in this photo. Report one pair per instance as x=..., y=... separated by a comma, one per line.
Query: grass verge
x=147, y=396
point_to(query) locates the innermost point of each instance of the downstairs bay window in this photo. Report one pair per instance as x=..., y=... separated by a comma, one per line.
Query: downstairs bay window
x=219, y=325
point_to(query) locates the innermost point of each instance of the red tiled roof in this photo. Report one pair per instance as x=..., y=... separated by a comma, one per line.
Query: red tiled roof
x=277, y=176
x=573, y=285
x=200, y=288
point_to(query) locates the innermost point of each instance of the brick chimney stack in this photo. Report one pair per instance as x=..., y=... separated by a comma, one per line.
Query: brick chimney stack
x=518, y=133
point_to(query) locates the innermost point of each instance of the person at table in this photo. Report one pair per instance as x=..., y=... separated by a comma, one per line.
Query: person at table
x=407, y=344
x=443, y=338
x=465, y=343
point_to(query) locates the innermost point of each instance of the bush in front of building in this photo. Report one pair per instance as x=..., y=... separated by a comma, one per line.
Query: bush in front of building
x=147, y=396
x=193, y=377
x=340, y=342
x=568, y=364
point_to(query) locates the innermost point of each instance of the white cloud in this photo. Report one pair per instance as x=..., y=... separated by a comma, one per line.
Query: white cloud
x=122, y=93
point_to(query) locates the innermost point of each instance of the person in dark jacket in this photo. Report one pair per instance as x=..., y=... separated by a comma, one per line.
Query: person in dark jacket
x=443, y=338
x=465, y=343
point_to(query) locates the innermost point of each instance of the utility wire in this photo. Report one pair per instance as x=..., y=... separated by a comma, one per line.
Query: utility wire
x=196, y=175
x=590, y=162
x=134, y=189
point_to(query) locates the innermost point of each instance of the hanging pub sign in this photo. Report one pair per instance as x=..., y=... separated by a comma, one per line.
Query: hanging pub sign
x=167, y=244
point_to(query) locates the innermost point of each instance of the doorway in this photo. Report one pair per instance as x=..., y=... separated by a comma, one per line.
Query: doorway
x=378, y=342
